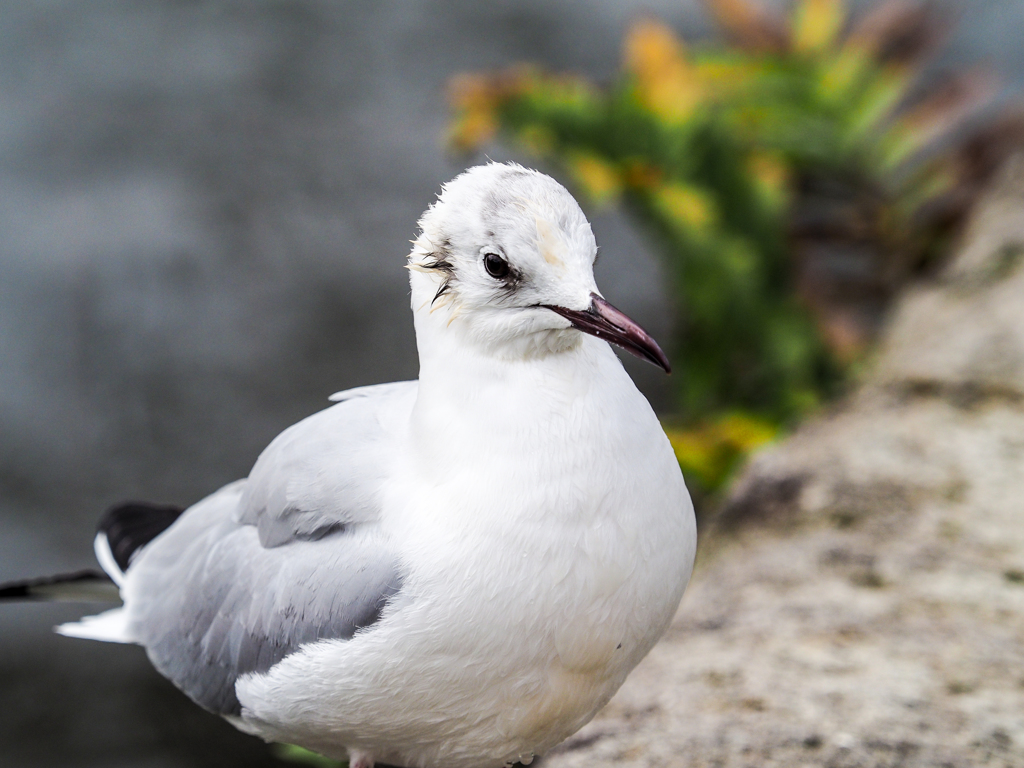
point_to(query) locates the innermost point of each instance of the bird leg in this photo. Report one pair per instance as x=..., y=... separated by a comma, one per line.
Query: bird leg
x=358, y=758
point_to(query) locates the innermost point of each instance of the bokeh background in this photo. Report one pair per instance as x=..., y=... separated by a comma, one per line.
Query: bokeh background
x=204, y=211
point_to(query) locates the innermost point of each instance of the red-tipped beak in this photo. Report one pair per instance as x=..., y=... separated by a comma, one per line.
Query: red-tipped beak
x=603, y=320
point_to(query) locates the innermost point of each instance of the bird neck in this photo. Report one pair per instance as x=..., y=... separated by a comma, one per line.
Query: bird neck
x=469, y=397
x=476, y=384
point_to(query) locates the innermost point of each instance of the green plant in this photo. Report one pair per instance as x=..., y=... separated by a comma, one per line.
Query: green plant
x=790, y=179
x=709, y=453
x=293, y=754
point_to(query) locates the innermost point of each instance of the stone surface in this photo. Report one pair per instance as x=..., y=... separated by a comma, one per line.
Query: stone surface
x=859, y=600
x=969, y=331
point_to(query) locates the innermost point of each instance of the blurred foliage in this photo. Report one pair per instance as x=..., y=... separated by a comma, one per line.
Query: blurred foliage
x=293, y=754
x=709, y=453
x=794, y=178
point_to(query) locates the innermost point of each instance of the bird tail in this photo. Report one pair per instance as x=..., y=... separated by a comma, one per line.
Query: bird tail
x=80, y=586
x=109, y=627
x=122, y=532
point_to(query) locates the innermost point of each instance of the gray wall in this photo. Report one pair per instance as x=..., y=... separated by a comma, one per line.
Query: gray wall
x=204, y=210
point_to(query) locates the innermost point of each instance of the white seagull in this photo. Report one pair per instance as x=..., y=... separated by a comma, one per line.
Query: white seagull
x=454, y=572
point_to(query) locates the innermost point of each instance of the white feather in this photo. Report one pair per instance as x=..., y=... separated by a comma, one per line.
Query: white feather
x=110, y=627
x=105, y=557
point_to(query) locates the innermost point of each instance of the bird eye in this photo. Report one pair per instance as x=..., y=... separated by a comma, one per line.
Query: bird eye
x=496, y=266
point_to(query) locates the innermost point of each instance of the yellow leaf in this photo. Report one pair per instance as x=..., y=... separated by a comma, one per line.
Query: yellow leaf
x=471, y=129
x=598, y=178
x=688, y=206
x=476, y=99
x=697, y=453
x=816, y=24
x=666, y=82
x=711, y=451
x=746, y=433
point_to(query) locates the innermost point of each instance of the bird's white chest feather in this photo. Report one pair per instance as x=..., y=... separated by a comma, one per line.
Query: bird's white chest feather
x=539, y=570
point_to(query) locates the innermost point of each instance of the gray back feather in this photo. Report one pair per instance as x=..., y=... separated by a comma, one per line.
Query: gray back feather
x=265, y=565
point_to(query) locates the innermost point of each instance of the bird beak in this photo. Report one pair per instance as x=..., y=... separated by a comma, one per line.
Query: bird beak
x=603, y=320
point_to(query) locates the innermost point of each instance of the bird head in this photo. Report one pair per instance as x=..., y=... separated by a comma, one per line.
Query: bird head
x=505, y=258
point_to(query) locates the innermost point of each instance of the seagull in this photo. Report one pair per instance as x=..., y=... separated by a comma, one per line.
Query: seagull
x=453, y=572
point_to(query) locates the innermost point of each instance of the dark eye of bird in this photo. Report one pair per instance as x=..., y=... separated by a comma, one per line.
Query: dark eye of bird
x=496, y=266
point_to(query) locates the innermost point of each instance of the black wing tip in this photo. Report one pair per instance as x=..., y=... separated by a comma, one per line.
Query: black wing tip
x=131, y=525
x=16, y=590
x=33, y=589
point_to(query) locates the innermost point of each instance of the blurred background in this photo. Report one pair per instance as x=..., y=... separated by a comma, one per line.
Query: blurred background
x=205, y=209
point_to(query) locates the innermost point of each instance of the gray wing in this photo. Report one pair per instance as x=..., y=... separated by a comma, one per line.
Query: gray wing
x=328, y=470
x=211, y=600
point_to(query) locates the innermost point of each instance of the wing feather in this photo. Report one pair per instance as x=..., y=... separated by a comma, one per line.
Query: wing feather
x=328, y=470
x=291, y=555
